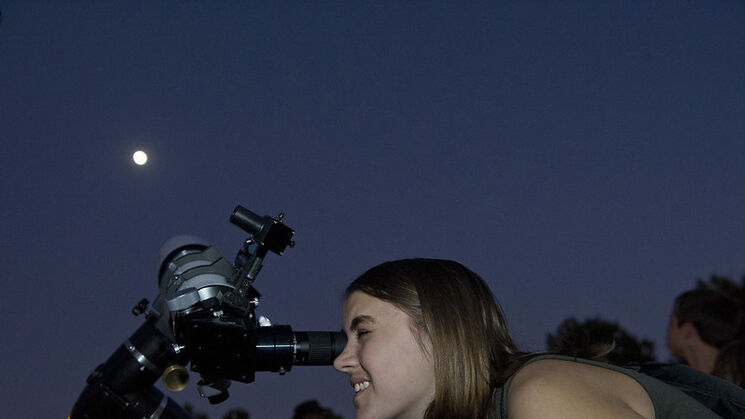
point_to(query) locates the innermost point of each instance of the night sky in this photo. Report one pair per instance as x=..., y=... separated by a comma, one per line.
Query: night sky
x=586, y=158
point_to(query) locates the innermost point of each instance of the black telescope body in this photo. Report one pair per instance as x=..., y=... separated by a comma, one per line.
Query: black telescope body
x=204, y=314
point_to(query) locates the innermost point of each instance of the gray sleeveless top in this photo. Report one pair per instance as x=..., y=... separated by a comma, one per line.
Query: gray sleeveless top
x=668, y=401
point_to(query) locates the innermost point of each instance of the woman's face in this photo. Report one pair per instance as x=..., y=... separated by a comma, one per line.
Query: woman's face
x=391, y=375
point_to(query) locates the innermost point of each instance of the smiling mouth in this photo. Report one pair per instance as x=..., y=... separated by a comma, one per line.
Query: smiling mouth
x=361, y=386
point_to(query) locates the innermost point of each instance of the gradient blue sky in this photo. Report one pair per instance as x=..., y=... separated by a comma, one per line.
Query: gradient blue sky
x=586, y=158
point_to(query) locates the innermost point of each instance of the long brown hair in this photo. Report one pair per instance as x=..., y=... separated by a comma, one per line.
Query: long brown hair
x=472, y=349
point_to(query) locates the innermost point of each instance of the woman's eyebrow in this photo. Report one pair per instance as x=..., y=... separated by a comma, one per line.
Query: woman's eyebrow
x=363, y=318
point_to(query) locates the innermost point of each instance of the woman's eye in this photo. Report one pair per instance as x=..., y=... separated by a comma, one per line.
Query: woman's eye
x=361, y=333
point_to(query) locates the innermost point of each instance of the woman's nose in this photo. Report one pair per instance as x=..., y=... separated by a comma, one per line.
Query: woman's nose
x=346, y=359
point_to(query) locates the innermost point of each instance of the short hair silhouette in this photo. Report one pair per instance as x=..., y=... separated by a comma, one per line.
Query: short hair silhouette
x=716, y=317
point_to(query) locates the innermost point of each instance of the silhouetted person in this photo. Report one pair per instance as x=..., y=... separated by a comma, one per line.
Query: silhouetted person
x=310, y=410
x=701, y=323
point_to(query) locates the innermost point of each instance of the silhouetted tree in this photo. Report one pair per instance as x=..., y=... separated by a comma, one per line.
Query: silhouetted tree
x=579, y=338
x=190, y=410
x=310, y=409
x=232, y=414
x=237, y=414
x=302, y=409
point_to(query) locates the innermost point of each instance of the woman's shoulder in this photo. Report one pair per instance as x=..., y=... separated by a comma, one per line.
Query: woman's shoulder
x=561, y=388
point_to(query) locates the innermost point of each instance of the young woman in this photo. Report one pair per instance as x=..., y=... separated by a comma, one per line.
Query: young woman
x=427, y=339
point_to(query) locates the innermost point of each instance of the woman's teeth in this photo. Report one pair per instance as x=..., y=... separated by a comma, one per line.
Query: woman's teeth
x=361, y=386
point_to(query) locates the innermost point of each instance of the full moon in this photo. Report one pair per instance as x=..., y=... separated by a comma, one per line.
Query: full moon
x=139, y=157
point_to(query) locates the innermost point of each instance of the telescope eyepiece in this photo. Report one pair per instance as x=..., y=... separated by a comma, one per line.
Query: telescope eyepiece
x=249, y=221
x=268, y=232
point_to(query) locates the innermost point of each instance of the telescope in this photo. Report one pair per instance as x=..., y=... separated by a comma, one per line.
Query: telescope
x=204, y=316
